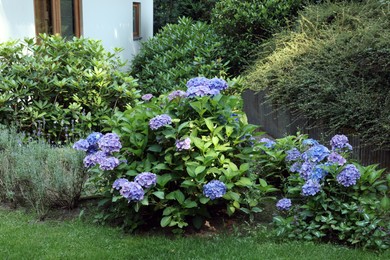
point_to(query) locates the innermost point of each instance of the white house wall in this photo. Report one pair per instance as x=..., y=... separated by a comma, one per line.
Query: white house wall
x=108, y=21
x=16, y=19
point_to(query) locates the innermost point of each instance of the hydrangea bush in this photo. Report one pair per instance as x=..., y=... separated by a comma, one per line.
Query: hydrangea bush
x=328, y=196
x=187, y=155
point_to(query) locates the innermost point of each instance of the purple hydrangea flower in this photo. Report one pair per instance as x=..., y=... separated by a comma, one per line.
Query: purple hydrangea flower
x=218, y=84
x=268, y=142
x=214, y=189
x=183, y=144
x=160, y=121
x=108, y=163
x=81, y=145
x=110, y=143
x=198, y=91
x=311, y=188
x=95, y=158
x=316, y=153
x=340, y=142
x=348, y=176
x=147, y=97
x=306, y=170
x=310, y=142
x=118, y=183
x=177, y=94
x=198, y=81
x=94, y=137
x=214, y=92
x=92, y=149
x=132, y=191
x=336, y=158
x=293, y=154
x=283, y=204
x=146, y=179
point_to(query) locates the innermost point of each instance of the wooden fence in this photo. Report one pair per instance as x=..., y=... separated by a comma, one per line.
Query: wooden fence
x=279, y=121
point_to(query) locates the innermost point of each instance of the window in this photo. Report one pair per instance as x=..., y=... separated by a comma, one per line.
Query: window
x=58, y=17
x=136, y=20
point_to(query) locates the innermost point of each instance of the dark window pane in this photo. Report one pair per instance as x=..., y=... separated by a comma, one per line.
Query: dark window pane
x=67, y=18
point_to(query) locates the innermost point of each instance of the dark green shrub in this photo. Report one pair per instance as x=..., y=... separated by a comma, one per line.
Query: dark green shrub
x=218, y=146
x=243, y=25
x=327, y=196
x=169, y=11
x=38, y=176
x=334, y=69
x=176, y=54
x=60, y=89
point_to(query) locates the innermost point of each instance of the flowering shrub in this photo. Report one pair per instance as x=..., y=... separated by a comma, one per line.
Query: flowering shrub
x=188, y=156
x=327, y=195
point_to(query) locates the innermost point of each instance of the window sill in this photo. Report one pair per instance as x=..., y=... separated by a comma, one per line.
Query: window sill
x=137, y=38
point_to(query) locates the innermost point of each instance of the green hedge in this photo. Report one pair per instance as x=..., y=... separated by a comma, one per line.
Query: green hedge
x=334, y=68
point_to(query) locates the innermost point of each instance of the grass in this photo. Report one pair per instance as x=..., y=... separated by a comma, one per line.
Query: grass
x=22, y=237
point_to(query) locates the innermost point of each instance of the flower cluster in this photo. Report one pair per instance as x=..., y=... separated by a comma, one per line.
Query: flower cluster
x=348, y=176
x=214, y=189
x=267, y=142
x=160, y=121
x=177, y=94
x=147, y=97
x=315, y=161
x=284, y=204
x=134, y=190
x=107, y=144
x=339, y=142
x=183, y=144
x=201, y=86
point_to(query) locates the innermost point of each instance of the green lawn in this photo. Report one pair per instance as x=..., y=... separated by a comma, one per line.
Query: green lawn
x=22, y=237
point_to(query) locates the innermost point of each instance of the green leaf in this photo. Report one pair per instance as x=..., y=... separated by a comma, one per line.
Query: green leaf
x=204, y=200
x=168, y=211
x=209, y=124
x=188, y=183
x=165, y=221
x=229, y=130
x=197, y=221
x=155, y=148
x=263, y=183
x=244, y=181
x=385, y=203
x=199, y=169
x=244, y=167
x=159, y=194
x=162, y=180
x=190, y=204
x=179, y=196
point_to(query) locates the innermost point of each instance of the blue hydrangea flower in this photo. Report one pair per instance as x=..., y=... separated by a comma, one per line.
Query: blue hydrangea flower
x=318, y=173
x=132, y=191
x=214, y=92
x=311, y=188
x=92, y=149
x=310, y=142
x=267, y=142
x=81, y=145
x=198, y=81
x=340, y=142
x=146, y=179
x=183, y=144
x=218, y=84
x=214, y=189
x=118, y=183
x=296, y=167
x=284, y=204
x=348, y=176
x=108, y=163
x=177, y=94
x=110, y=143
x=293, y=155
x=94, y=137
x=160, y=121
x=316, y=153
x=336, y=158
x=147, y=97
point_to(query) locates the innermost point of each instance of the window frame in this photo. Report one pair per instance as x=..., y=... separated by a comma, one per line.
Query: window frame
x=136, y=20
x=55, y=16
